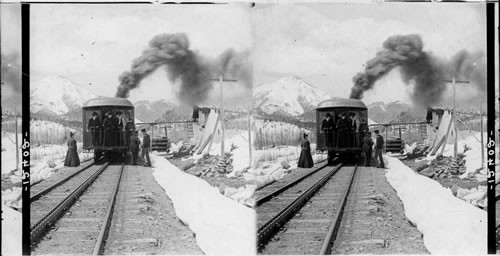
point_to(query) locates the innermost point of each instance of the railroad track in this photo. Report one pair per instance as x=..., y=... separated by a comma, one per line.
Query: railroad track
x=81, y=205
x=303, y=216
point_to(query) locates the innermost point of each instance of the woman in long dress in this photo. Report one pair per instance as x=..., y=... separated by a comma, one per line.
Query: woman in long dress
x=305, y=159
x=72, y=159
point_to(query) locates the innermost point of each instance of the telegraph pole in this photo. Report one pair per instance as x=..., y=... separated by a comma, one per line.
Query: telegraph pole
x=220, y=79
x=453, y=117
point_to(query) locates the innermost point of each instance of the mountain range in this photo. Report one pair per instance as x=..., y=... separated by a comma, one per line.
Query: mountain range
x=57, y=97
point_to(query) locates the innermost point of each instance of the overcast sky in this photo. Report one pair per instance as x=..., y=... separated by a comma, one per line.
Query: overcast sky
x=93, y=44
x=327, y=44
x=10, y=46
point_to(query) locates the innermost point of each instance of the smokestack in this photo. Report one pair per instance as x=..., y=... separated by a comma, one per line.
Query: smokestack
x=421, y=68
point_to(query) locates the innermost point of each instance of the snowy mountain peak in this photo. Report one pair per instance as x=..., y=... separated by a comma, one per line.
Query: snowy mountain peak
x=289, y=95
x=57, y=95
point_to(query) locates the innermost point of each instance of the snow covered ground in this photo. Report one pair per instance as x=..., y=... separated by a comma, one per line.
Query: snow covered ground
x=11, y=231
x=49, y=159
x=9, y=151
x=222, y=226
x=449, y=225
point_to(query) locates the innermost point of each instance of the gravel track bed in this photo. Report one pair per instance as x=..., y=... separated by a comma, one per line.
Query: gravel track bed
x=144, y=221
x=293, y=175
x=39, y=208
x=374, y=221
x=306, y=231
x=77, y=230
x=268, y=209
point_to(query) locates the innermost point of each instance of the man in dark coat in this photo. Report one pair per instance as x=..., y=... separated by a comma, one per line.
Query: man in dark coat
x=305, y=159
x=107, y=125
x=327, y=127
x=94, y=126
x=134, y=147
x=129, y=129
x=122, y=122
x=367, y=148
x=116, y=128
x=146, y=143
x=342, y=131
x=363, y=129
x=379, y=146
x=72, y=159
x=352, y=126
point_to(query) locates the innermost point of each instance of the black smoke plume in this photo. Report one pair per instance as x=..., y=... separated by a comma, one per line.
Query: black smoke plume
x=426, y=71
x=11, y=81
x=194, y=72
x=182, y=63
x=235, y=65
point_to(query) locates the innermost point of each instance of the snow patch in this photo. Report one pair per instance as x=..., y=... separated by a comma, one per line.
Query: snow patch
x=222, y=226
x=11, y=231
x=449, y=225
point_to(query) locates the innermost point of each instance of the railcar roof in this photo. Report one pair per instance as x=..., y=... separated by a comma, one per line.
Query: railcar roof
x=108, y=101
x=340, y=102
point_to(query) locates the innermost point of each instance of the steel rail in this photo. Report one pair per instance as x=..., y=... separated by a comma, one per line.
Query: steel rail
x=332, y=231
x=103, y=233
x=270, y=227
x=272, y=194
x=57, y=184
x=41, y=226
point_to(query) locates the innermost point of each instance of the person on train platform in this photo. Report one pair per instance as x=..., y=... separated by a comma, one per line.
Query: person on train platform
x=352, y=128
x=134, y=146
x=94, y=126
x=116, y=129
x=146, y=146
x=342, y=129
x=305, y=159
x=122, y=122
x=379, y=147
x=72, y=159
x=108, y=127
x=367, y=148
x=327, y=127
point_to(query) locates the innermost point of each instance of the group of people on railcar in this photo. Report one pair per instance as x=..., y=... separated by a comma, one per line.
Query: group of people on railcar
x=113, y=129
x=342, y=133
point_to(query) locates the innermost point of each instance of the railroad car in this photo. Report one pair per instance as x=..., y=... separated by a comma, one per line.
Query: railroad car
x=104, y=132
x=341, y=137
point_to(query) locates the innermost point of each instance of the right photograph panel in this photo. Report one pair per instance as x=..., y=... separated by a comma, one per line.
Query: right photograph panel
x=370, y=128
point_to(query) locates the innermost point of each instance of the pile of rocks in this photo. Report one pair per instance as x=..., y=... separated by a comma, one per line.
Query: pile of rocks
x=223, y=166
x=443, y=167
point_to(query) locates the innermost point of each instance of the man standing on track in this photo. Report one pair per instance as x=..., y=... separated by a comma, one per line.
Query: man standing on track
x=367, y=148
x=146, y=143
x=134, y=147
x=379, y=146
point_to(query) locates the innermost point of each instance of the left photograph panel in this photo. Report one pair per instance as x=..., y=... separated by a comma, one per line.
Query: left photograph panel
x=11, y=91
x=140, y=129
